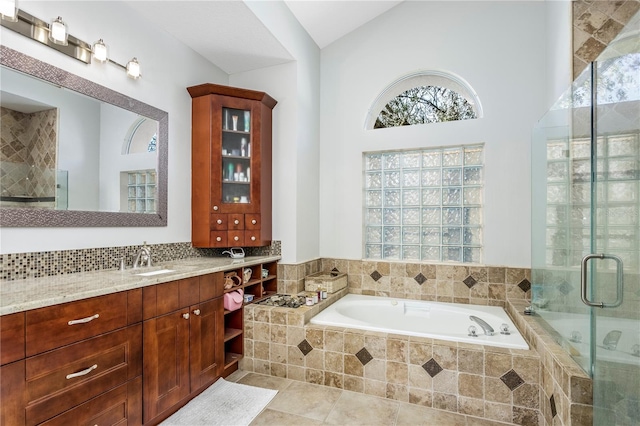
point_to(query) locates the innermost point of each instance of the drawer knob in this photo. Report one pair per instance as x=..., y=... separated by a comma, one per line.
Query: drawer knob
x=254, y=221
x=236, y=221
x=219, y=221
x=84, y=320
x=196, y=312
x=236, y=238
x=83, y=372
x=253, y=238
x=215, y=208
x=218, y=238
x=185, y=316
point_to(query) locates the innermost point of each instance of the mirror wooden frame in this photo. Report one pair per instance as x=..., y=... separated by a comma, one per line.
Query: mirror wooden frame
x=13, y=217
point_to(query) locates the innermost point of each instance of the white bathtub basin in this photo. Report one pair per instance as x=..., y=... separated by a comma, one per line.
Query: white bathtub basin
x=436, y=320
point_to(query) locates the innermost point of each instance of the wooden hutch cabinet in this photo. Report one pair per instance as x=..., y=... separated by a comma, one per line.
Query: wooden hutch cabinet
x=231, y=166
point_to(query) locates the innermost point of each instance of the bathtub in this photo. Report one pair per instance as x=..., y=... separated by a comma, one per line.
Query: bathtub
x=437, y=320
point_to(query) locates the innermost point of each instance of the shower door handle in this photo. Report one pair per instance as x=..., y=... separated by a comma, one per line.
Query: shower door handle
x=619, y=280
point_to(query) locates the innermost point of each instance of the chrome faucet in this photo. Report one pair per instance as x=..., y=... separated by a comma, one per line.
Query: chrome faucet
x=488, y=330
x=143, y=256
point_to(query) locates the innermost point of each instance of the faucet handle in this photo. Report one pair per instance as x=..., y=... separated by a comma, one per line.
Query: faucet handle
x=473, y=331
x=504, y=329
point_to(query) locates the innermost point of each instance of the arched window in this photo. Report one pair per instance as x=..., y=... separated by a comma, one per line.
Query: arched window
x=424, y=97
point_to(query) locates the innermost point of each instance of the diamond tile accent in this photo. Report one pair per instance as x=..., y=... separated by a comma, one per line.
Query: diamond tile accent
x=420, y=279
x=432, y=367
x=376, y=275
x=305, y=347
x=525, y=285
x=470, y=281
x=511, y=379
x=565, y=288
x=552, y=402
x=335, y=270
x=364, y=356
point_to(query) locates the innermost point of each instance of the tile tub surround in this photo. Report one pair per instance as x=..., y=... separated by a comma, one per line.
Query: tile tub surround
x=566, y=391
x=493, y=383
x=19, y=266
x=470, y=284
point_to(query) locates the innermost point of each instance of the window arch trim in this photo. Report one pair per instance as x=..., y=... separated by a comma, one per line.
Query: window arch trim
x=423, y=78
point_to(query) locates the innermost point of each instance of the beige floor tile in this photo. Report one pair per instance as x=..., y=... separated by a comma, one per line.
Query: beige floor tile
x=305, y=399
x=358, y=409
x=278, y=418
x=264, y=381
x=414, y=415
x=236, y=375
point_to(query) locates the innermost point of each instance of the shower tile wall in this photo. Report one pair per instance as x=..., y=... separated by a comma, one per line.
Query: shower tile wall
x=28, y=153
x=595, y=25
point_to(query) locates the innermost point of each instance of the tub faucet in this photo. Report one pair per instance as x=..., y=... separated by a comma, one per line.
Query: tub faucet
x=610, y=341
x=143, y=256
x=488, y=330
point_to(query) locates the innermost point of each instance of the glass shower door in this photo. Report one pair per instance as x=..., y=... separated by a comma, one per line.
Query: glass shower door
x=611, y=273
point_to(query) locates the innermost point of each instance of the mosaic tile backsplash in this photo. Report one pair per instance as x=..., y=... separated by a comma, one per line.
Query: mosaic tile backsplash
x=16, y=266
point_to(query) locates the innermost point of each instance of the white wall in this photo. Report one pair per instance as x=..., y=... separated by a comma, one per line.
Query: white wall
x=559, y=57
x=296, y=168
x=168, y=68
x=499, y=48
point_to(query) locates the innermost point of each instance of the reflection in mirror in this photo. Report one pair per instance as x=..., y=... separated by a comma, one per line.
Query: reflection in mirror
x=74, y=153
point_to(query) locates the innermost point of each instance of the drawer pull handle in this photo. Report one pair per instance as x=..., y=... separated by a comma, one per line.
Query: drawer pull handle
x=253, y=238
x=84, y=320
x=254, y=221
x=218, y=238
x=215, y=208
x=196, y=312
x=236, y=238
x=185, y=316
x=237, y=222
x=83, y=372
x=219, y=221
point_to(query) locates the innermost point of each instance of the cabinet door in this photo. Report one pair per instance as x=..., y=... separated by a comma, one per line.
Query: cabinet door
x=235, y=139
x=207, y=333
x=166, y=362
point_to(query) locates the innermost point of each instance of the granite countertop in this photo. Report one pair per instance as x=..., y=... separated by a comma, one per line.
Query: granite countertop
x=22, y=295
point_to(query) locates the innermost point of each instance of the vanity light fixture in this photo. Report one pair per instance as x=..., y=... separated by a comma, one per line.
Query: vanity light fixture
x=58, y=32
x=9, y=10
x=100, y=51
x=133, y=69
x=55, y=36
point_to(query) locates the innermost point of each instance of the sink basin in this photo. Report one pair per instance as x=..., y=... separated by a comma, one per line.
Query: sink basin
x=158, y=272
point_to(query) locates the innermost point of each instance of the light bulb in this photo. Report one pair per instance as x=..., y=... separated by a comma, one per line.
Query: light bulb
x=100, y=51
x=58, y=31
x=133, y=68
x=9, y=10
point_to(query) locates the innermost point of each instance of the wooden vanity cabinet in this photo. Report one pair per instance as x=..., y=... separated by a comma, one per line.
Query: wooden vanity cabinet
x=183, y=341
x=73, y=356
x=231, y=166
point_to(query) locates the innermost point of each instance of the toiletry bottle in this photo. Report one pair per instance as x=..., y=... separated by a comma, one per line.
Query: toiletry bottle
x=243, y=147
x=248, y=174
x=230, y=168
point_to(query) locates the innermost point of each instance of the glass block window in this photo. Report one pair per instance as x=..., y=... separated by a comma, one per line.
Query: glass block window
x=424, y=204
x=141, y=191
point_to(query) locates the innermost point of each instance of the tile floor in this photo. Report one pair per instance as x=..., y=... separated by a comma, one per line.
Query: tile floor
x=299, y=403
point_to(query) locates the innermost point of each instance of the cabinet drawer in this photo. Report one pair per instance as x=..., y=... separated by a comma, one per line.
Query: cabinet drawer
x=218, y=238
x=235, y=238
x=120, y=406
x=252, y=237
x=219, y=222
x=236, y=221
x=49, y=328
x=61, y=379
x=251, y=221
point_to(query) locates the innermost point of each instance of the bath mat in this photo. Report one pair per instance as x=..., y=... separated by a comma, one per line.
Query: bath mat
x=223, y=403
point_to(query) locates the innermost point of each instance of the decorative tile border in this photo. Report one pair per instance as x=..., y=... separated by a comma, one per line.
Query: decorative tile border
x=17, y=266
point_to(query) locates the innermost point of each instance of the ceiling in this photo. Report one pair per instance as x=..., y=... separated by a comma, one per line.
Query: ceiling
x=228, y=34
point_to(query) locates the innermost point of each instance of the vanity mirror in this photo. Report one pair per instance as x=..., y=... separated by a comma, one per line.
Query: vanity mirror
x=75, y=153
